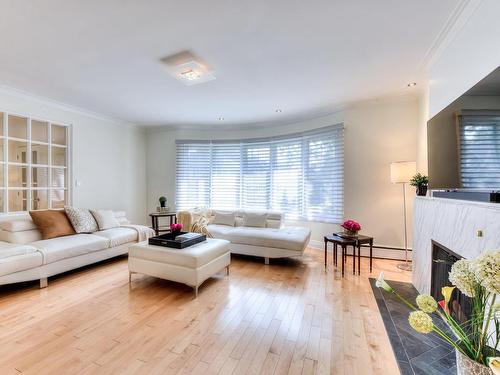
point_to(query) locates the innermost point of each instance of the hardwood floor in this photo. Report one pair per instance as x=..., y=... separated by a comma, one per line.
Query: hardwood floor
x=290, y=317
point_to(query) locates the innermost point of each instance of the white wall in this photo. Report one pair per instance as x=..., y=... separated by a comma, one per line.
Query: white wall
x=108, y=156
x=377, y=133
x=472, y=54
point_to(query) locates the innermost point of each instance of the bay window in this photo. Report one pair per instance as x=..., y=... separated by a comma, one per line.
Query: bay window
x=300, y=175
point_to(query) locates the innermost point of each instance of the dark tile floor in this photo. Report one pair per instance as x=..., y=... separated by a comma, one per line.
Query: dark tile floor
x=415, y=353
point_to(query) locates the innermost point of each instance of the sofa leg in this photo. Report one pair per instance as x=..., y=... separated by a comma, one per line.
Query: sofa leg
x=266, y=260
x=227, y=270
x=195, y=292
x=44, y=283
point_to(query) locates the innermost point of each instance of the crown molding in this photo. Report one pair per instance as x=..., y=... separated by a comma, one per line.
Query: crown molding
x=455, y=22
x=7, y=90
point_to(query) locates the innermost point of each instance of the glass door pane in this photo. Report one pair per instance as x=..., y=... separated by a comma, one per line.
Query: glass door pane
x=58, y=134
x=18, y=127
x=18, y=200
x=39, y=131
x=39, y=199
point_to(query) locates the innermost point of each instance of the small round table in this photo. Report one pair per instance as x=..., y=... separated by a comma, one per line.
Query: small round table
x=355, y=242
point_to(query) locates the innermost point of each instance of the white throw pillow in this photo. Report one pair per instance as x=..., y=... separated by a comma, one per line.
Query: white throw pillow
x=254, y=219
x=105, y=219
x=224, y=218
x=81, y=219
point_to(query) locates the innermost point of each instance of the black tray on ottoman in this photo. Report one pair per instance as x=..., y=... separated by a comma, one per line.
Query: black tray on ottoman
x=173, y=240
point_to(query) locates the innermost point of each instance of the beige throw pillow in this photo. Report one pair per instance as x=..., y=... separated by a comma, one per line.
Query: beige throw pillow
x=224, y=218
x=105, y=219
x=254, y=219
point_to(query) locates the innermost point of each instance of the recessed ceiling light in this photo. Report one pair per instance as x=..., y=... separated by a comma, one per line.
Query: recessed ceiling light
x=221, y=118
x=411, y=84
x=279, y=110
x=190, y=75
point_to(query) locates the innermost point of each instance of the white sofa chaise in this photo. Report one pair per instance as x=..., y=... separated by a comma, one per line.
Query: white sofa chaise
x=266, y=237
x=24, y=256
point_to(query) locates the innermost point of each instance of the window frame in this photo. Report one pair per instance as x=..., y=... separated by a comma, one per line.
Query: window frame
x=335, y=133
x=29, y=165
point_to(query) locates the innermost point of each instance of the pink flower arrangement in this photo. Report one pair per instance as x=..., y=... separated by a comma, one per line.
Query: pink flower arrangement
x=175, y=227
x=351, y=225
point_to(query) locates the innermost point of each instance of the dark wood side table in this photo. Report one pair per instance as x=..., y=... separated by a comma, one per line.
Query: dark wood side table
x=155, y=223
x=344, y=243
x=361, y=240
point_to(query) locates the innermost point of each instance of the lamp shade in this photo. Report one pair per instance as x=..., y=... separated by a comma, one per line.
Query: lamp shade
x=402, y=171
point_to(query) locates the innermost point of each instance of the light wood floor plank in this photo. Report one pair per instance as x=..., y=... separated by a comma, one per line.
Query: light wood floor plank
x=290, y=317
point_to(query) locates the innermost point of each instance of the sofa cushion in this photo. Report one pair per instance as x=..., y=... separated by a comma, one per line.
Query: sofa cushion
x=52, y=223
x=289, y=238
x=56, y=249
x=105, y=219
x=81, y=219
x=191, y=257
x=18, y=263
x=224, y=218
x=118, y=236
x=9, y=250
x=254, y=219
x=23, y=237
x=18, y=224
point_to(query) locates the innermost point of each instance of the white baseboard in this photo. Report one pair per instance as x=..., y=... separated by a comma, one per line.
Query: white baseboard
x=385, y=253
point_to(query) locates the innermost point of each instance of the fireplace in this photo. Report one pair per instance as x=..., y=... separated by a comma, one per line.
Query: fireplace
x=460, y=306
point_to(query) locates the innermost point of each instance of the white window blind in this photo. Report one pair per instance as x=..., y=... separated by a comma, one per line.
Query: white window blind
x=300, y=174
x=480, y=151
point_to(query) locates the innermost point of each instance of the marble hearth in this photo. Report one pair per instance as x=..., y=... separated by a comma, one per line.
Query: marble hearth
x=453, y=224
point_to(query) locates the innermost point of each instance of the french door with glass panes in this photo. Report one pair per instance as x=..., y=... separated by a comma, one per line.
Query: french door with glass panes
x=34, y=164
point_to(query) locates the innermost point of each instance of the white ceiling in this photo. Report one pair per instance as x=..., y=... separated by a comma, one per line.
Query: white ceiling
x=304, y=57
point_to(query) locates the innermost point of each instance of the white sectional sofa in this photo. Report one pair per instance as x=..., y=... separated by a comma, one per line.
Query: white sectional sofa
x=257, y=233
x=24, y=256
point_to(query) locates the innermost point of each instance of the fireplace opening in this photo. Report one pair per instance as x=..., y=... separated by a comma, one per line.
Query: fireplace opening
x=460, y=306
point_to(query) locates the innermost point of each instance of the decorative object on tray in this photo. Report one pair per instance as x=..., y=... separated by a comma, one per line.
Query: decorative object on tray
x=421, y=182
x=176, y=228
x=163, y=205
x=177, y=240
x=351, y=228
x=476, y=340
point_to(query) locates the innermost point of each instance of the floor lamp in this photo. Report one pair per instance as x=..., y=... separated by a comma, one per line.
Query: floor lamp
x=401, y=173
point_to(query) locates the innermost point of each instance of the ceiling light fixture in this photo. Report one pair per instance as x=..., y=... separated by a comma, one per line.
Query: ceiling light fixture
x=411, y=84
x=279, y=110
x=221, y=118
x=188, y=68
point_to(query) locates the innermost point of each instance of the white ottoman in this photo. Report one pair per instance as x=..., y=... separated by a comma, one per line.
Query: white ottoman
x=191, y=265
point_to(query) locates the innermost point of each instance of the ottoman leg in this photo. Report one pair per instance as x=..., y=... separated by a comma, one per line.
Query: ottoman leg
x=266, y=260
x=195, y=292
x=227, y=270
x=129, y=277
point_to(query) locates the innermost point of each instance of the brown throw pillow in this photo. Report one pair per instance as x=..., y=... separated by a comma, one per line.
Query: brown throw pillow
x=52, y=223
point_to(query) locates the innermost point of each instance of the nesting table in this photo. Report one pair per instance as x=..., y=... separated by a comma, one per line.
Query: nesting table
x=344, y=244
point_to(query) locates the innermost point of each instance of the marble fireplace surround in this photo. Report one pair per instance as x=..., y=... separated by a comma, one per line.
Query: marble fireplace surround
x=453, y=224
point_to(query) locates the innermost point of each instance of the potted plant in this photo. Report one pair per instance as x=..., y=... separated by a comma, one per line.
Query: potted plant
x=163, y=201
x=351, y=228
x=476, y=341
x=420, y=182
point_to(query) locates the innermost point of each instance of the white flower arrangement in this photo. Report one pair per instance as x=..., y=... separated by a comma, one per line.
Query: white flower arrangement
x=463, y=277
x=478, y=279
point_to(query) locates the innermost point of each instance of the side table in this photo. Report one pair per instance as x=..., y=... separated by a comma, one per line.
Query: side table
x=344, y=243
x=155, y=224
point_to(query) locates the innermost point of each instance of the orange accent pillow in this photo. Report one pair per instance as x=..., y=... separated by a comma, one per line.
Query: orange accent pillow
x=52, y=223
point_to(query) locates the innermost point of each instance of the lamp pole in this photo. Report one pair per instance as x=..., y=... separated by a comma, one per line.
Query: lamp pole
x=406, y=266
